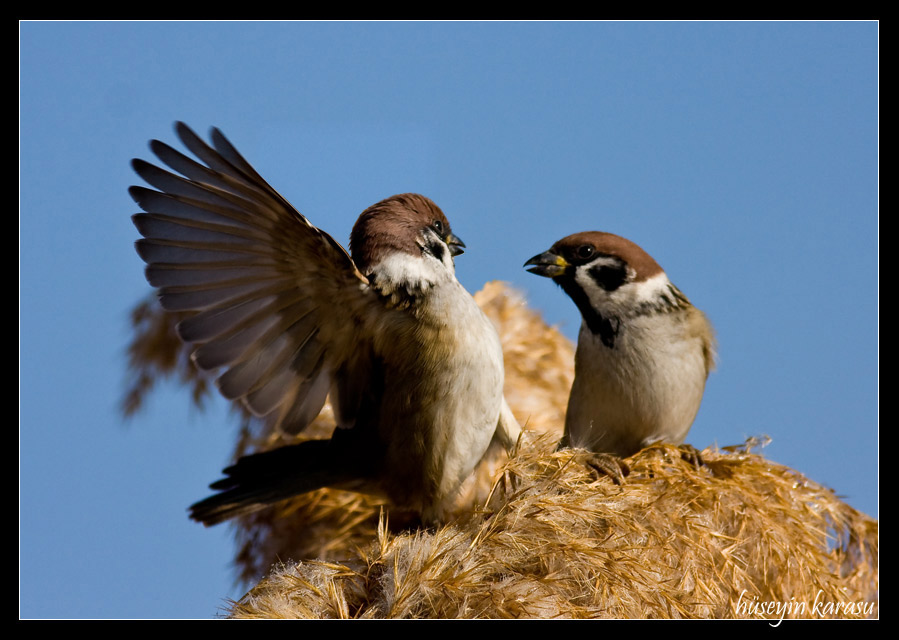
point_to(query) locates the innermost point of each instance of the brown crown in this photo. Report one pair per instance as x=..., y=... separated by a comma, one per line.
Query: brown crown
x=393, y=224
x=609, y=244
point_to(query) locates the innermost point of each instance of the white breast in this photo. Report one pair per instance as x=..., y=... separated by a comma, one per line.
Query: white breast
x=443, y=388
x=470, y=384
x=645, y=389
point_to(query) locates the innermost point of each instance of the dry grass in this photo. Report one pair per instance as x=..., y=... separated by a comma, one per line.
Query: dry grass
x=548, y=539
x=327, y=524
x=674, y=542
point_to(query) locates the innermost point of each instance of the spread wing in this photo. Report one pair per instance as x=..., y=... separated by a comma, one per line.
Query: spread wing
x=278, y=304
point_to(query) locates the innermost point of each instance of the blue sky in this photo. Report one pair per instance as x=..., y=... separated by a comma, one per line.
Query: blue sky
x=742, y=155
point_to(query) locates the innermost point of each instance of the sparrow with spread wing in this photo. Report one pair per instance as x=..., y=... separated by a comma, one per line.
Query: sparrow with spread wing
x=413, y=368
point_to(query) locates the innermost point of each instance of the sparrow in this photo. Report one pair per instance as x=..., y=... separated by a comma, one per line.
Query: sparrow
x=643, y=353
x=412, y=366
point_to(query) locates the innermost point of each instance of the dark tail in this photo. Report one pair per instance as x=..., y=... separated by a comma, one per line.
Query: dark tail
x=258, y=480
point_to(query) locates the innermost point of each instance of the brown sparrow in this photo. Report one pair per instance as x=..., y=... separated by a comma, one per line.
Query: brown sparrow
x=413, y=368
x=643, y=353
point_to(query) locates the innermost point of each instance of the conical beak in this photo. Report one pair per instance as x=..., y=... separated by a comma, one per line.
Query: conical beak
x=455, y=244
x=548, y=265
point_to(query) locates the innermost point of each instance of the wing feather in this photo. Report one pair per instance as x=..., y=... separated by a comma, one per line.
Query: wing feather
x=277, y=302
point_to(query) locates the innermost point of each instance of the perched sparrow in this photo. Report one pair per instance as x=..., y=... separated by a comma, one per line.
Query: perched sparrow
x=643, y=354
x=414, y=369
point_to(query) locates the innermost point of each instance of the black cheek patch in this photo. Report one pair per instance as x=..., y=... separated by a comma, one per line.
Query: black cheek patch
x=608, y=277
x=437, y=249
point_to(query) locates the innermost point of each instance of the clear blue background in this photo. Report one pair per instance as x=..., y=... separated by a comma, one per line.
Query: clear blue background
x=742, y=155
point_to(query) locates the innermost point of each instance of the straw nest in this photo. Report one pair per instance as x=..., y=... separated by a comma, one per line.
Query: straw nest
x=540, y=535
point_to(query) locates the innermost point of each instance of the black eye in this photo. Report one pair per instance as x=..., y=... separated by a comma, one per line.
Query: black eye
x=585, y=251
x=438, y=226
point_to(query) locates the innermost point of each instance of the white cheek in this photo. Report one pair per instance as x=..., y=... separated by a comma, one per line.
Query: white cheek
x=598, y=296
x=448, y=262
x=428, y=237
x=652, y=289
x=625, y=298
x=445, y=263
x=401, y=269
x=606, y=302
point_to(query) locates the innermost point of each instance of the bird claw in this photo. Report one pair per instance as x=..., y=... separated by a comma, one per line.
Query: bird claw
x=691, y=454
x=607, y=464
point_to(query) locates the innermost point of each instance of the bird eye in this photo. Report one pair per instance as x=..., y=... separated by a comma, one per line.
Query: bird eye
x=585, y=251
x=438, y=226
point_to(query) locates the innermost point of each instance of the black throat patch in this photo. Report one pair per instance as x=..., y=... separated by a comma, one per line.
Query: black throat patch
x=606, y=328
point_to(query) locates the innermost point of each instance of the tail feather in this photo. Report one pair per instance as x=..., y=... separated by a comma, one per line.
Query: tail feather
x=261, y=479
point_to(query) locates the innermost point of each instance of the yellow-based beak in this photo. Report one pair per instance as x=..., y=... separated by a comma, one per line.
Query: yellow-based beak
x=455, y=244
x=548, y=265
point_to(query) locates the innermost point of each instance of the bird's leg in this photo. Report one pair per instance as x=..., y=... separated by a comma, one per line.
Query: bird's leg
x=608, y=464
x=602, y=464
x=691, y=454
